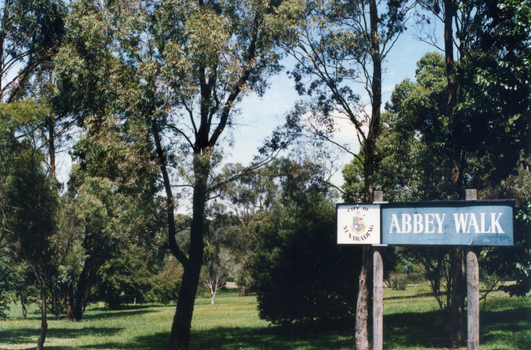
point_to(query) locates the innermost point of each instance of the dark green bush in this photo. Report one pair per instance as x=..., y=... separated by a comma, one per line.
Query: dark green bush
x=301, y=273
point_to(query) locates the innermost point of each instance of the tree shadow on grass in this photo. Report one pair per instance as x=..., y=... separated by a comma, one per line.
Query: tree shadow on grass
x=221, y=338
x=250, y=338
x=271, y=338
x=95, y=313
x=406, y=297
x=422, y=330
x=116, y=314
x=17, y=336
x=91, y=331
x=21, y=336
x=502, y=325
x=425, y=330
x=130, y=307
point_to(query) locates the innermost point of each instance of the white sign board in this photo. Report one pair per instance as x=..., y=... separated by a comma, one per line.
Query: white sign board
x=358, y=223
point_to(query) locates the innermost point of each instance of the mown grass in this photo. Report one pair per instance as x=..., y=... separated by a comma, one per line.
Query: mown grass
x=412, y=320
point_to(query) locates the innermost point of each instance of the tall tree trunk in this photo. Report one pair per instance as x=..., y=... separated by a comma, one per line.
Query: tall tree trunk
x=81, y=292
x=3, y=34
x=529, y=109
x=68, y=297
x=362, y=305
x=457, y=265
x=76, y=295
x=182, y=321
x=44, y=320
x=24, y=310
x=87, y=296
x=456, y=312
x=51, y=145
x=456, y=175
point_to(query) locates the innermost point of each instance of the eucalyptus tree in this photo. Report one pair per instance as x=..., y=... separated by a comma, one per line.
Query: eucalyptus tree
x=30, y=34
x=339, y=45
x=31, y=222
x=181, y=67
x=111, y=205
x=486, y=53
x=412, y=159
x=29, y=199
x=14, y=275
x=250, y=193
x=486, y=45
x=413, y=164
x=216, y=267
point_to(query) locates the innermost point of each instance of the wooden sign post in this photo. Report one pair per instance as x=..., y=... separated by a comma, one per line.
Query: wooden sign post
x=469, y=223
x=377, y=299
x=472, y=282
x=378, y=284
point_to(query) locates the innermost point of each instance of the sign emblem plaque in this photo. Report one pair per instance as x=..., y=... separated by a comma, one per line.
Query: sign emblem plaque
x=358, y=223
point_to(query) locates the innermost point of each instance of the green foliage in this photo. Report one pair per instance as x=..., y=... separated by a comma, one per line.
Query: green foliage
x=398, y=281
x=126, y=278
x=27, y=112
x=136, y=276
x=111, y=204
x=30, y=33
x=513, y=262
x=33, y=202
x=116, y=210
x=17, y=284
x=413, y=164
x=413, y=161
x=166, y=283
x=491, y=47
x=28, y=204
x=180, y=67
x=31, y=223
x=19, y=119
x=5, y=285
x=493, y=70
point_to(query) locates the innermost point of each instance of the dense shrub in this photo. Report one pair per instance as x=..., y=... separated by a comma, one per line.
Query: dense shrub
x=301, y=273
x=398, y=281
x=126, y=278
x=166, y=283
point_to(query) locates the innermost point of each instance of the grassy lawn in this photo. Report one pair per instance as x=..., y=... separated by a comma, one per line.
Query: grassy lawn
x=412, y=320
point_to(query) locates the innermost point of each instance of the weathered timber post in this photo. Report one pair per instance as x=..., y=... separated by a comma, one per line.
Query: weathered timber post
x=377, y=298
x=472, y=281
